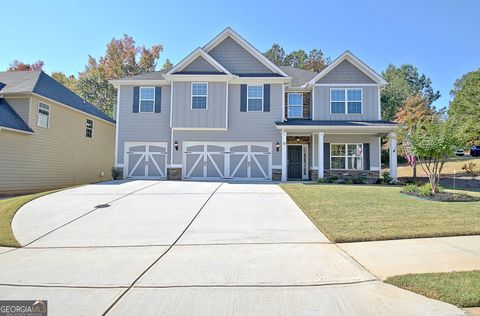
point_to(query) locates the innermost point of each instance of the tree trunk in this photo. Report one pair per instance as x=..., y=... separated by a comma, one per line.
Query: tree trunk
x=414, y=172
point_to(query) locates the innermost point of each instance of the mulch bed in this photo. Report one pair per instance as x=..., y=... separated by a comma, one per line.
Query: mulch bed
x=445, y=197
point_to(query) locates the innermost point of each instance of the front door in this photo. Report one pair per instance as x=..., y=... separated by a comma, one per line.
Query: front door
x=294, y=158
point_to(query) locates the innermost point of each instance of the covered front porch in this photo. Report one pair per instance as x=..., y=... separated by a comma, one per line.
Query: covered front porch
x=347, y=150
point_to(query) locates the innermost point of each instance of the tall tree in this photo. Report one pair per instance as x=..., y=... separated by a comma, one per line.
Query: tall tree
x=276, y=54
x=167, y=65
x=69, y=82
x=17, y=65
x=465, y=107
x=315, y=61
x=404, y=81
x=297, y=59
x=122, y=58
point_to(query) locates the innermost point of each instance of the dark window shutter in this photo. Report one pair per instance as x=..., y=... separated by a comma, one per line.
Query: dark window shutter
x=136, y=94
x=326, y=156
x=243, y=98
x=366, y=156
x=158, y=99
x=266, y=98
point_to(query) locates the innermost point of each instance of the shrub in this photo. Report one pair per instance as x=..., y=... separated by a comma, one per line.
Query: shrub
x=360, y=180
x=386, y=178
x=349, y=181
x=425, y=190
x=115, y=173
x=411, y=188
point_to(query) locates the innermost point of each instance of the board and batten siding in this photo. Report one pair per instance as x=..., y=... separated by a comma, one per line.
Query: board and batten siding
x=57, y=156
x=242, y=126
x=369, y=105
x=186, y=117
x=141, y=127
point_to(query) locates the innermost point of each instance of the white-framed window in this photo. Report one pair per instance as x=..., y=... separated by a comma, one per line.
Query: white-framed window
x=255, y=98
x=43, y=115
x=346, y=156
x=346, y=101
x=295, y=105
x=147, y=99
x=199, y=95
x=89, y=128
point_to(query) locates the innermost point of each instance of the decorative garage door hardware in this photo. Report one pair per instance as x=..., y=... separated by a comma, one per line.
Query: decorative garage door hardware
x=146, y=160
x=237, y=161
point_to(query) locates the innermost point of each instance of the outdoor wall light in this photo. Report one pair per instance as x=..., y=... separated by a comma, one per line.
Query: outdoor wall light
x=176, y=146
x=298, y=139
x=277, y=146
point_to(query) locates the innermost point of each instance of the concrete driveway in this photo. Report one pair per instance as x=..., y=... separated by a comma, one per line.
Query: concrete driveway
x=203, y=248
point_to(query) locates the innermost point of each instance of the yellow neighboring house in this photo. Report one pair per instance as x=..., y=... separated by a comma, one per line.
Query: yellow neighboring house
x=49, y=136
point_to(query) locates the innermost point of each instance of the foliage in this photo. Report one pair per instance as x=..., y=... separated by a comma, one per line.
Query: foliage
x=410, y=188
x=426, y=189
x=313, y=61
x=465, y=107
x=386, y=178
x=69, y=82
x=122, y=58
x=360, y=180
x=403, y=82
x=115, y=173
x=17, y=65
x=433, y=142
x=471, y=169
x=167, y=65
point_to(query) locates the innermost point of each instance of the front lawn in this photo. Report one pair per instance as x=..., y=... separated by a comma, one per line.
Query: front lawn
x=347, y=213
x=8, y=208
x=454, y=164
x=457, y=288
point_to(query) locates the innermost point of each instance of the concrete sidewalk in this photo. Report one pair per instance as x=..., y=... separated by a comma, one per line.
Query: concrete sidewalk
x=423, y=255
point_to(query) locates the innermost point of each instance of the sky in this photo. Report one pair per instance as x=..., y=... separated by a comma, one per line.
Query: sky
x=441, y=38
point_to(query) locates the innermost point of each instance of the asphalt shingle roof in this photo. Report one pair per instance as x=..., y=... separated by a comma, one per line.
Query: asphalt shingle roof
x=299, y=76
x=42, y=84
x=10, y=119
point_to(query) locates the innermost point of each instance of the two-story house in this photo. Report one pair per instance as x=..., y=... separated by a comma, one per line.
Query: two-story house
x=227, y=112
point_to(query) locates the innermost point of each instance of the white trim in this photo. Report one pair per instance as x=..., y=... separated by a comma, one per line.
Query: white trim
x=253, y=80
x=3, y=128
x=221, y=129
x=171, y=145
x=320, y=163
x=119, y=165
x=256, y=98
x=312, y=105
x=276, y=166
x=86, y=126
x=199, y=52
x=346, y=156
x=47, y=115
x=379, y=98
x=346, y=85
x=178, y=165
x=393, y=155
x=128, y=145
x=379, y=153
x=140, y=100
x=357, y=129
x=346, y=101
x=283, y=103
x=246, y=45
x=198, y=95
x=137, y=82
x=288, y=105
x=117, y=128
x=347, y=55
x=375, y=168
x=226, y=104
x=284, y=155
x=305, y=165
x=171, y=104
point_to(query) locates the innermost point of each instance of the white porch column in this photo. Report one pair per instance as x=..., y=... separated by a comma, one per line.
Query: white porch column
x=393, y=155
x=284, y=155
x=320, y=154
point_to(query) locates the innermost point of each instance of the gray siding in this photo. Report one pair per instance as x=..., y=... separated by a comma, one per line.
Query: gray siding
x=236, y=59
x=199, y=65
x=373, y=140
x=322, y=104
x=22, y=107
x=142, y=127
x=213, y=117
x=345, y=72
x=242, y=126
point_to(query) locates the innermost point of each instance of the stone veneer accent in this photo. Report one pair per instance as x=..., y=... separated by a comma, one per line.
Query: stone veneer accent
x=313, y=174
x=120, y=172
x=372, y=175
x=306, y=105
x=174, y=173
x=276, y=174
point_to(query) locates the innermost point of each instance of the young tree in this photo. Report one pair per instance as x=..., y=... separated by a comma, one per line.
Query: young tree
x=403, y=82
x=433, y=142
x=122, y=58
x=167, y=65
x=17, y=65
x=276, y=54
x=465, y=107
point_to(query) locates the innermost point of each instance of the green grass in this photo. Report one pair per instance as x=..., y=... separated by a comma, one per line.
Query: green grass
x=8, y=208
x=457, y=288
x=347, y=213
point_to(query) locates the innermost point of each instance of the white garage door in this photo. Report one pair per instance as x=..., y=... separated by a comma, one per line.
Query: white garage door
x=238, y=161
x=145, y=160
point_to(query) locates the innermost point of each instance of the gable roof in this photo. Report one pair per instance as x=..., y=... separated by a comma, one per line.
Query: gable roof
x=199, y=52
x=10, y=119
x=229, y=32
x=347, y=55
x=42, y=84
x=299, y=76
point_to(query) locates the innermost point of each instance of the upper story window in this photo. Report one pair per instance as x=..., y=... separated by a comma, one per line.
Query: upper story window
x=255, y=98
x=147, y=99
x=89, y=128
x=199, y=95
x=346, y=101
x=43, y=115
x=346, y=156
x=295, y=105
